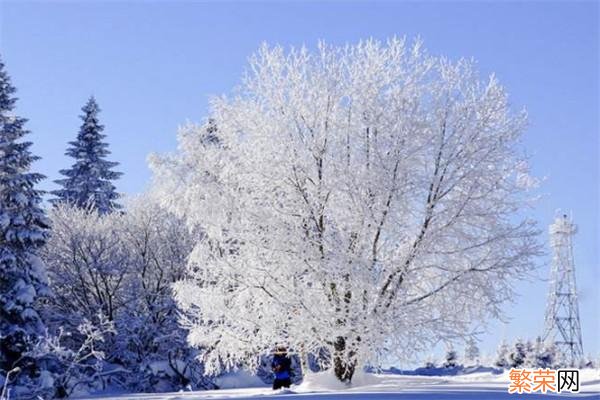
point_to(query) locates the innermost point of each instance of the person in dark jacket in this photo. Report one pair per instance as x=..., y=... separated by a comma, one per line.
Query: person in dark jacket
x=282, y=368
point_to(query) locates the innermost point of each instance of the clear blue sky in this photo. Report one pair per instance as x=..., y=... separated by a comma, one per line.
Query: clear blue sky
x=154, y=65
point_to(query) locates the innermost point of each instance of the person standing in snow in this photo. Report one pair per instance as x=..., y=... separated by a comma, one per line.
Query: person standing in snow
x=282, y=368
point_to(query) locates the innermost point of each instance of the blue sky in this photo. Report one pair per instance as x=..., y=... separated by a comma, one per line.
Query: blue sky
x=154, y=65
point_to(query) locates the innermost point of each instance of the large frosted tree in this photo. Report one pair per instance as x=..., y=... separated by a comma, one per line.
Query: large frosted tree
x=22, y=232
x=89, y=181
x=364, y=201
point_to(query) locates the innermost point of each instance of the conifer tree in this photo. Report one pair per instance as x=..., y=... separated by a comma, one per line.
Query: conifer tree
x=88, y=182
x=502, y=356
x=23, y=230
x=518, y=355
x=451, y=359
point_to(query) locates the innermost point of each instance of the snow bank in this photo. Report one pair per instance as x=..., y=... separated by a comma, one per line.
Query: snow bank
x=326, y=381
x=239, y=379
x=321, y=381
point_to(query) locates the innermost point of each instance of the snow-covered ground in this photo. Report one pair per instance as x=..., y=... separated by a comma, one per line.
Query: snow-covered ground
x=322, y=386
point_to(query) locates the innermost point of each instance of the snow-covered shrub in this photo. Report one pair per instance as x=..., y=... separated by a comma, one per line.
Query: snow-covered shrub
x=75, y=369
x=362, y=198
x=123, y=264
x=5, y=381
x=451, y=359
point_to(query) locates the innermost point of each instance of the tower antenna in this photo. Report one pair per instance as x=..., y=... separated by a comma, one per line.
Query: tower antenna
x=562, y=324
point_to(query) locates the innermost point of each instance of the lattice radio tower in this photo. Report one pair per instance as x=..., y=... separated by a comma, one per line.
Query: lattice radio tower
x=562, y=325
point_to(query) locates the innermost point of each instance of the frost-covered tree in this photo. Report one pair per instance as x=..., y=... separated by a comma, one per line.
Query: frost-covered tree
x=502, y=355
x=158, y=244
x=471, y=352
x=364, y=199
x=123, y=265
x=89, y=181
x=541, y=355
x=451, y=359
x=22, y=232
x=87, y=265
x=519, y=353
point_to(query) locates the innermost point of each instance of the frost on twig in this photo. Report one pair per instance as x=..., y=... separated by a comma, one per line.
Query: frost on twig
x=80, y=366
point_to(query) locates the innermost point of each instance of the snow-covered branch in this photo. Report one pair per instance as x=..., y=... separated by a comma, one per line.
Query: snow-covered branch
x=358, y=198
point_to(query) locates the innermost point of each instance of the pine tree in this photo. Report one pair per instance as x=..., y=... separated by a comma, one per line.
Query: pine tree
x=23, y=230
x=88, y=182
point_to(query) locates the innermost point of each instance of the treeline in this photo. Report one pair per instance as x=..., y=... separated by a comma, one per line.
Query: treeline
x=520, y=353
x=85, y=285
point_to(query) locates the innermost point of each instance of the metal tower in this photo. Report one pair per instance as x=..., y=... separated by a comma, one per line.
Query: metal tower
x=562, y=324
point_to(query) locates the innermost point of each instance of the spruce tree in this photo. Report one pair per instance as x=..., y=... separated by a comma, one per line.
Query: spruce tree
x=23, y=230
x=88, y=182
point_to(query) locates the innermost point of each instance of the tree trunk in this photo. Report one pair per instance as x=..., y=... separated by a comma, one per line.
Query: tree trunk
x=344, y=361
x=304, y=363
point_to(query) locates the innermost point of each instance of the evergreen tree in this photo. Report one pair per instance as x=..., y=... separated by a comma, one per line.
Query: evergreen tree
x=451, y=359
x=23, y=230
x=519, y=354
x=502, y=356
x=88, y=182
x=541, y=355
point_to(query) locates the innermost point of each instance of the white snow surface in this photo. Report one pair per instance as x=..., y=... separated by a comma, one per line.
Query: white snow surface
x=324, y=386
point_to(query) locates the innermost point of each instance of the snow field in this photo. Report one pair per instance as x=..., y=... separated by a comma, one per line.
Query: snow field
x=324, y=386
